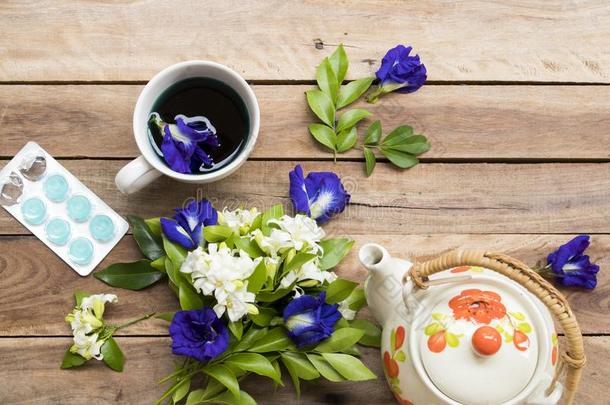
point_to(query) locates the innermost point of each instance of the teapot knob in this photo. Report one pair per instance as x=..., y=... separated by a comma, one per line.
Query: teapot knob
x=486, y=341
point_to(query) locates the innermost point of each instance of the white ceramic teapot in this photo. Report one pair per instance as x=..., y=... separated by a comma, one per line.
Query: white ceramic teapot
x=480, y=332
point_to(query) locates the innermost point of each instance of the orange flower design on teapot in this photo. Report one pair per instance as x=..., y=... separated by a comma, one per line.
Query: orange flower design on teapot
x=479, y=306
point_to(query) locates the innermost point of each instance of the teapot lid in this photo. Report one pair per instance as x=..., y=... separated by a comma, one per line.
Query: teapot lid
x=481, y=341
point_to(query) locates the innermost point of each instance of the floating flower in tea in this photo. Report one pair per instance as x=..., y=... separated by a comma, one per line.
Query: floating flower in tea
x=186, y=144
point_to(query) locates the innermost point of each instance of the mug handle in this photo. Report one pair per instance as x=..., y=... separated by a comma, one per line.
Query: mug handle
x=135, y=175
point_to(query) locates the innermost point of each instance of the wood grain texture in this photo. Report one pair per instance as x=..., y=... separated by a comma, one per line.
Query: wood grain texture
x=31, y=369
x=41, y=280
x=462, y=122
x=429, y=198
x=268, y=40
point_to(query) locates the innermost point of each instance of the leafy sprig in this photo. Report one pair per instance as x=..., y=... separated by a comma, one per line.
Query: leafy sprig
x=339, y=131
x=401, y=146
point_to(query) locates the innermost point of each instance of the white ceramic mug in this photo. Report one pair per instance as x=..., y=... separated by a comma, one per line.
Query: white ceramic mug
x=147, y=167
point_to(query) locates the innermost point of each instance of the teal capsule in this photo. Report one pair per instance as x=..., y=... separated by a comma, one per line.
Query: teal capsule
x=81, y=251
x=79, y=208
x=34, y=211
x=58, y=231
x=56, y=188
x=101, y=228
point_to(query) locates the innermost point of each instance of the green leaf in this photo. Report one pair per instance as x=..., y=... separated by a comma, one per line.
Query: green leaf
x=340, y=340
x=148, y=242
x=263, y=296
x=349, y=367
x=322, y=106
x=301, y=365
x=352, y=91
x=274, y=212
x=324, y=368
x=72, y=360
x=369, y=161
x=257, y=278
x=132, y=276
x=400, y=159
x=294, y=377
x=356, y=300
x=372, y=334
x=517, y=315
x=524, y=327
x=225, y=376
x=339, y=63
x=175, y=252
x=183, y=388
x=298, y=261
x=327, y=80
x=159, y=264
x=401, y=356
x=264, y=316
x=433, y=329
x=334, y=251
x=347, y=139
x=202, y=396
x=249, y=246
x=323, y=134
x=188, y=297
x=350, y=118
x=451, y=339
x=113, y=356
x=252, y=336
x=275, y=340
x=415, y=145
x=227, y=398
x=339, y=290
x=255, y=363
x=398, y=135
x=79, y=295
x=237, y=329
x=373, y=133
x=166, y=316
x=216, y=233
x=154, y=224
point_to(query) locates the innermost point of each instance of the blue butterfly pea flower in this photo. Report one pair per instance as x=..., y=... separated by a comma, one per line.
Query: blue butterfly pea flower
x=186, y=226
x=399, y=72
x=571, y=266
x=184, y=143
x=199, y=334
x=320, y=195
x=310, y=319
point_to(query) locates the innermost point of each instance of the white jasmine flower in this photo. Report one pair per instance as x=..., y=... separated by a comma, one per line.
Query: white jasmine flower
x=278, y=240
x=234, y=300
x=88, y=346
x=309, y=271
x=238, y=220
x=86, y=323
x=222, y=272
x=304, y=232
x=97, y=303
x=345, y=310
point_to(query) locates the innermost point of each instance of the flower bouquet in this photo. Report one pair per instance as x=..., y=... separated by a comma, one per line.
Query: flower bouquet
x=257, y=295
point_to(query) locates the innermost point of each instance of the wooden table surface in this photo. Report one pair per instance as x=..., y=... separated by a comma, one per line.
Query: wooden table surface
x=517, y=109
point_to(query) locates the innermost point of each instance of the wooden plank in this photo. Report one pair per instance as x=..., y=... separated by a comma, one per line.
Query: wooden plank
x=462, y=122
x=32, y=367
x=277, y=40
x=430, y=198
x=41, y=280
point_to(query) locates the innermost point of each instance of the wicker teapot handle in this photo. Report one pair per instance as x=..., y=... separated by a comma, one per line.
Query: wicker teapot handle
x=573, y=357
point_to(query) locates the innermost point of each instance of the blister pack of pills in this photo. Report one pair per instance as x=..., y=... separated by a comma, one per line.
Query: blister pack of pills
x=60, y=210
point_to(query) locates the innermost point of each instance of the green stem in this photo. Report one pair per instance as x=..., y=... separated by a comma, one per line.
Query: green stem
x=124, y=325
